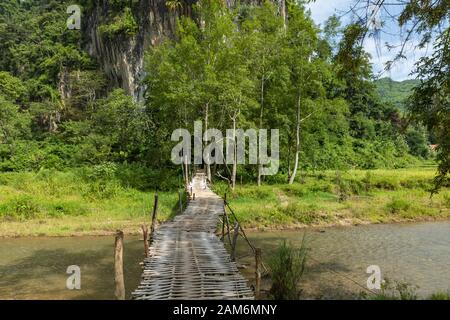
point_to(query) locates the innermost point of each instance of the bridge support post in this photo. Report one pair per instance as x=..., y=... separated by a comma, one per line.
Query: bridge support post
x=155, y=211
x=118, y=266
x=180, y=201
x=145, y=235
x=257, y=272
x=226, y=221
x=223, y=216
x=234, y=243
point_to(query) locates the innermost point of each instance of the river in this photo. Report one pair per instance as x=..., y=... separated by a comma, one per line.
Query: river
x=416, y=253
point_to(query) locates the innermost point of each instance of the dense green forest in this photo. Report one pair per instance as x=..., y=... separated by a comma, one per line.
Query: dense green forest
x=246, y=66
x=78, y=144
x=396, y=92
x=88, y=117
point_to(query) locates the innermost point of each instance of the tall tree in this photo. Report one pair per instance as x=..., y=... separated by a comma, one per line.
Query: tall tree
x=426, y=23
x=302, y=39
x=264, y=33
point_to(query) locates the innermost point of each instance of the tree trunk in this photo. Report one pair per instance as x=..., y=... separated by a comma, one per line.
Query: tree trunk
x=260, y=127
x=208, y=167
x=289, y=159
x=145, y=235
x=182, y=171
x=118, y=267
x=283, y=12
x=234, y=170
x=186, y=171
x=297, y=141
x=257, y=272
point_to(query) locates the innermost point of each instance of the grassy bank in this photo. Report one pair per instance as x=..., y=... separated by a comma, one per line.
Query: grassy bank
x=341, y=198
x=55, y=203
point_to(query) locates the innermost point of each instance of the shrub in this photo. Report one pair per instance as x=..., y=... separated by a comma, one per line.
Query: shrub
x=342, y=188
x=102, y=189
x=297, y=190
x=122, y=23
x=306, y=215
x=396, y=290
x=397, y=205
x=70, y=208
x=368, y=181
x=287, y=267
x=104, y=171
x=20, y=208
x=440, y=296
x=447, y=200
x=253, y=192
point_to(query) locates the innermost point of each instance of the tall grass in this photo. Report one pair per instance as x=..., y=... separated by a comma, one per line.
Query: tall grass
x=81, y=200
x=287, y=266
x=342, y=197
x=108, y=195
x=399, y=290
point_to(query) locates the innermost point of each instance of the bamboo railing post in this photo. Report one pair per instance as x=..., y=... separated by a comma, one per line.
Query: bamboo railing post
x=235, y=237
x=223, y=216
x=118, y=267
x=145, y=234
x=186, y=170
x=257, y=272
x=180, y=201
x=226, y=219
x=154, y=214
x=223, y=227
x=228, y=228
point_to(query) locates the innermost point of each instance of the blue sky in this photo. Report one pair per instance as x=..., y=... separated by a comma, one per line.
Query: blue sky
x=322, y=9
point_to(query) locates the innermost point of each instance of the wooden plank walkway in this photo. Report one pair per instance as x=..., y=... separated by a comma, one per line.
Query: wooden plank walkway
x=187, y=260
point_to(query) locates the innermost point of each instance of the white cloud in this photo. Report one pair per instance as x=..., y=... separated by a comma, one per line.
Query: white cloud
x=322, y=9
x=402, y=68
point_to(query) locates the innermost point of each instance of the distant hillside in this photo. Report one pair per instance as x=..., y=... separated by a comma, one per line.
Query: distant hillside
x=395, y=92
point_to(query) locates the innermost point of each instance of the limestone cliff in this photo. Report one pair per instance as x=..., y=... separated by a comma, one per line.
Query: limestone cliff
x=122, y=57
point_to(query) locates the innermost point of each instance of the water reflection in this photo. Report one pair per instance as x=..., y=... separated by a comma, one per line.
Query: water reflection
x=417, y=253
x=35, y=268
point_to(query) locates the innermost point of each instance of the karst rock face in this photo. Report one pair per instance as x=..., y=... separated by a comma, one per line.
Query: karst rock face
x=122, y=57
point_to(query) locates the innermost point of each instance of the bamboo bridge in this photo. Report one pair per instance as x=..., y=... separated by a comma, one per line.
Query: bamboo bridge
x=187, y=261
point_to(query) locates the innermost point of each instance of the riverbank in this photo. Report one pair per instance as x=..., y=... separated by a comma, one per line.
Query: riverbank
x=55, y=203
x=52, y=203
x=412, y=255
x=95, y=226
x=333, y=198
x=415, y=253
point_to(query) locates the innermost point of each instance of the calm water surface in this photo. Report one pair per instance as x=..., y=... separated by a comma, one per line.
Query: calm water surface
x=35, y=268
x=418, y=254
